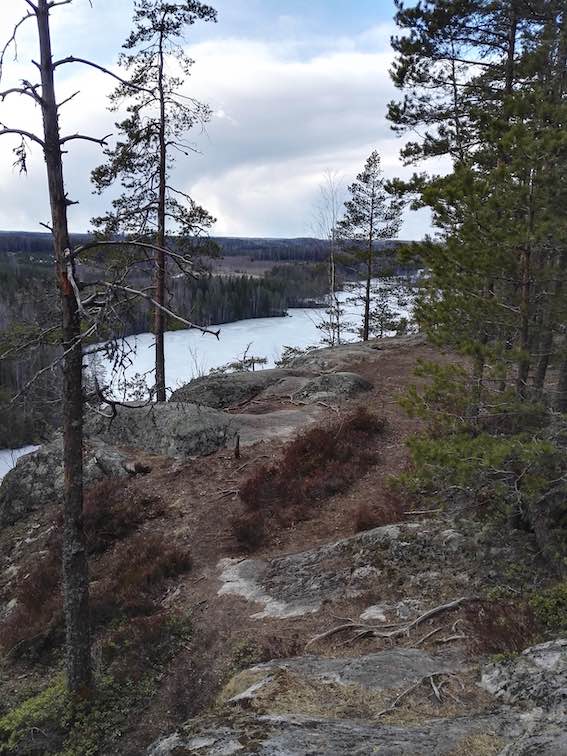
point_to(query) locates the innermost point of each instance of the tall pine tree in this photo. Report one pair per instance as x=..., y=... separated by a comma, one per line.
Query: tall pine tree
x=153, y=135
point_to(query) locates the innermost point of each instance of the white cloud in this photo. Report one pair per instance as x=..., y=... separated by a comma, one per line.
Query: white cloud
x=282, y=117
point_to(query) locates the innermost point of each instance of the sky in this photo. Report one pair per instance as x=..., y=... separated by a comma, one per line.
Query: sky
x=296, y=88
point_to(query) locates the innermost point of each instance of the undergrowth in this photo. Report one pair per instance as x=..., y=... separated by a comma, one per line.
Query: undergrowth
x=501, y=627
x=128, y=571
x=49, y=722
x=319, y=463
x=485, y=452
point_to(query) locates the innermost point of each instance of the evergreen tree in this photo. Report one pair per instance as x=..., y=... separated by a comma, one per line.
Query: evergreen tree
x=497, y=268
x=371, y=214
x=153, y=134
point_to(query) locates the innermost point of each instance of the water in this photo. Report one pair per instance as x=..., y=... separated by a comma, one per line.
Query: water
x=189, y=354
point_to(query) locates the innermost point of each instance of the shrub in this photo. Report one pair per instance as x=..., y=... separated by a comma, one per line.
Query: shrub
x=125, y=582
x=35, y=625
x=131, y=576
x=500, y=627
x=385, y=513
x=112, y=512
x=550, y=607
x=249, y=529
x=142, y=643
x=317, y=464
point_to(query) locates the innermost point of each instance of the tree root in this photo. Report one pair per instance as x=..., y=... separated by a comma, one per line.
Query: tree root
x=387, y=631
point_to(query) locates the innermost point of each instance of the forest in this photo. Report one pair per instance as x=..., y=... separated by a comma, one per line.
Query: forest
x=406, y=496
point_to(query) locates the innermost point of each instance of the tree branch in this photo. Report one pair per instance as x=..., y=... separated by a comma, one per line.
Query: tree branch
x=12, y=39
x=102, y=142
x=73, y=59
x=26, y=89
x=22, y=133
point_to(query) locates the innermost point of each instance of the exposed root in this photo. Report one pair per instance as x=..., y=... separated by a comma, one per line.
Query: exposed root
x=387, y=631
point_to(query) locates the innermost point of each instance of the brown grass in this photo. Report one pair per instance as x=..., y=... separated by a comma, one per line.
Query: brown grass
x=128, y=572
x=386, y=512
x=317, y=464
x=500, y=627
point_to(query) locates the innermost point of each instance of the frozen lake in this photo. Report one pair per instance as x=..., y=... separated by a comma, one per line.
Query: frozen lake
x=189, y=354
x=9, y=457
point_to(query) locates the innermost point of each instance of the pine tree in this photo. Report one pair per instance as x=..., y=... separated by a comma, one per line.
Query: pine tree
x=498, y=264
x=371, y=214
x=151, y=137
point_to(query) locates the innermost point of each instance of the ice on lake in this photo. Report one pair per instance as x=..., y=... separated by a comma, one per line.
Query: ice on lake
x=189, y=354
x=9, y=457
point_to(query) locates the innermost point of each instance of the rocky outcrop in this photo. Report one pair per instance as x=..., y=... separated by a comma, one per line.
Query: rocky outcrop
x=229, y=389
x=332, y=387
x=174, y=429
x=37, y=478
x=299, y=385
x=298, y=584
x=340, y=357
x=340, y=706
x=282, y=735
x=386, y=670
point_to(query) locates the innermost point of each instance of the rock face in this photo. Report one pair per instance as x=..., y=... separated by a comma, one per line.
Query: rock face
x=233, y=389
x=37, y=478
x=536, y=679
x=332, y=386
x=344, y=706
x=297, y=584
x=174, y=429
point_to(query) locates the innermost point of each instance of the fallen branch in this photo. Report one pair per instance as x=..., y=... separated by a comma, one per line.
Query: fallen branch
x=437, y=689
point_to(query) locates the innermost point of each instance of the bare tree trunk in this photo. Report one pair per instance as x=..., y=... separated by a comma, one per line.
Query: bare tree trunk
x=525, y=297
x=366, y=325
x=511, y=54
x=159, y=320
x=75, y=565
x=524, y=361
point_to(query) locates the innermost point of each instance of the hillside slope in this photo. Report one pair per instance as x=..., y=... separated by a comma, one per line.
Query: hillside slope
x=357, y=623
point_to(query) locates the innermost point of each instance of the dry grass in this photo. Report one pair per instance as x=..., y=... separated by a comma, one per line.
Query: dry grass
x=500, y=627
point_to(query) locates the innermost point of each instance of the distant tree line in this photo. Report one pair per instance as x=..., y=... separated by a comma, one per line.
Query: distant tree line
x=303, y=249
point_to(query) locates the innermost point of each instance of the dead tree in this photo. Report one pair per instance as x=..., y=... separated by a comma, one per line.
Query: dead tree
x=73, y=336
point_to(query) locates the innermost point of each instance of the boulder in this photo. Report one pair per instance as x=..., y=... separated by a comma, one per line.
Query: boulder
x=174, y=429
x=37, y=478
x=228, y=389
x=332, y=387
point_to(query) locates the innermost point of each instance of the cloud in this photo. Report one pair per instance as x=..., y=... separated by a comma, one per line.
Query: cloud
x=287, y=107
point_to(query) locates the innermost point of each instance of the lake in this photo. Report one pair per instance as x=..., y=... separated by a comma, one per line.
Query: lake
x=189, y=354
